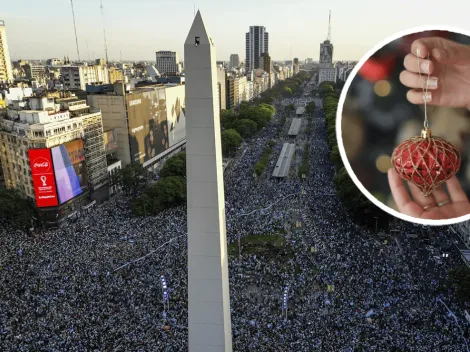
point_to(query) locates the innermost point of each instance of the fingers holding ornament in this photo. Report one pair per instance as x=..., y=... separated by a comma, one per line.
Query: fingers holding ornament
x=424, y=66
x=423, y=201
x=413, y=80
x=418, y=97
x=440, y=196
x=401, y=196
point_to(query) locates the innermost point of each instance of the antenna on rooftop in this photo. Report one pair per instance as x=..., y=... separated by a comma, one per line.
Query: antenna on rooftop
x=75, y=28
x=104, y=32
x=329, y=27
x=87, y=49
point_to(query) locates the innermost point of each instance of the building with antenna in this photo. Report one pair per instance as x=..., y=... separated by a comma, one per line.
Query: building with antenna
x=6, y=72
x=326, y=67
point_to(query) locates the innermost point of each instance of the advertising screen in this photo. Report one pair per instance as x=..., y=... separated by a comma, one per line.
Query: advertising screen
x=148, y=127
x=42, y=172
x=110, y=141
x=176, y=108
x=69, y=169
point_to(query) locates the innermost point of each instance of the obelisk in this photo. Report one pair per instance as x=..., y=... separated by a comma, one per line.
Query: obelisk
x=208, y=283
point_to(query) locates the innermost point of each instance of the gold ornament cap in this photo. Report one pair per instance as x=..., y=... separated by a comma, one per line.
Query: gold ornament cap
x=426, y=133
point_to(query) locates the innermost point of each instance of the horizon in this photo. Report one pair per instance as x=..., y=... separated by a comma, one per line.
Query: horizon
x=139, y=37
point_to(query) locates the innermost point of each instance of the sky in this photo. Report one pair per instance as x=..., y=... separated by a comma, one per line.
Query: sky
x=138, y=28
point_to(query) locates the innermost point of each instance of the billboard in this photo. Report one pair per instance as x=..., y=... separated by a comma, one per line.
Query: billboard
x=110, y=141
x=148, y=129
x=176, y=108
x=42, y=173
x=69, y=169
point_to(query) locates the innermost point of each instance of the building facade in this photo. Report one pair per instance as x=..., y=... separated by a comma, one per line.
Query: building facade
x=6, y=72
x=66, y=134
x=296, y=66
x=234, y=61
x=34, y=71
x=256, y=43
x=168, y=62
x=77, y=77
x=149, y=119
x=221, y=87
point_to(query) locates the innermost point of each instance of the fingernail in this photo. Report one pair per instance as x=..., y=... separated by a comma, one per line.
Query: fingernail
x=432, y=83
x=424, y=66
x=427, y=97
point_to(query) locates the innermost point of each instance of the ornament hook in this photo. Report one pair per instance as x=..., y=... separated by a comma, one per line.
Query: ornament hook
x=425, y=89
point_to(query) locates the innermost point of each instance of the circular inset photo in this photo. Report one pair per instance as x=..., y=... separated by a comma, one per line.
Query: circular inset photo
x=403, y=125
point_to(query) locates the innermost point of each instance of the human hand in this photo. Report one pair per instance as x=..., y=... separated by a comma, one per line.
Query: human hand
x=448, y=67
x=437, y=206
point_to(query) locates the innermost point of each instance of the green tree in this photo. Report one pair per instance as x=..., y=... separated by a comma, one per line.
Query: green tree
x=134, y=178
x=459, y=278
x=227, y=119
x=325, y=89
x=310, y=108
x=335, y=157
x=169, y=192
x=231, y=139
x=174, y=166
x=287, y=91
x=246, y=128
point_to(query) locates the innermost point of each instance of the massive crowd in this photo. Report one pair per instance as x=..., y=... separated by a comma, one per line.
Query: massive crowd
x=94, y=285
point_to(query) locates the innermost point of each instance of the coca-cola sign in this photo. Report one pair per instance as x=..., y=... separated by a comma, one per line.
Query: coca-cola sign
x=43, y=177
x=41, y=165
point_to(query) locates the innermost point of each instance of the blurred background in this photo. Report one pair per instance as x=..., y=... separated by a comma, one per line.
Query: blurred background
x=377, y=117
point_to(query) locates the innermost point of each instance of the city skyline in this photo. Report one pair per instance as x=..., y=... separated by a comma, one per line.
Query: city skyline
x=140, y=35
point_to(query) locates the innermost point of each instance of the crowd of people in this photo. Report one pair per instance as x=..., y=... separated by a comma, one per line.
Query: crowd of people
x=95, y=284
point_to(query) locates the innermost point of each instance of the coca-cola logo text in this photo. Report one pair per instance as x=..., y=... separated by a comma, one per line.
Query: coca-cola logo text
x=41, y=165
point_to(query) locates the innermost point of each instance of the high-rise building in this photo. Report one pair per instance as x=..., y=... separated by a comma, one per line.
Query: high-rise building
x=77, y=77
x=326, y=69
x=234, y=61
x=257, y=42
x=221, y=78
x=6, y=72
x=34, y=71
x=266, y=65
x=168, y=63
x=296, y=66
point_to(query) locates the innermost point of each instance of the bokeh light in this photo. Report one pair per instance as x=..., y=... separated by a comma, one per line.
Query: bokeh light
x=383, y=163
x=382, y=88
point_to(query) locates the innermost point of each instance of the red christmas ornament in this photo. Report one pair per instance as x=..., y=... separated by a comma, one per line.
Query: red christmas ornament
x=426, y=161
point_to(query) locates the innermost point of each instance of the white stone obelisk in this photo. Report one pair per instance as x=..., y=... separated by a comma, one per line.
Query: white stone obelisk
x=208, y=283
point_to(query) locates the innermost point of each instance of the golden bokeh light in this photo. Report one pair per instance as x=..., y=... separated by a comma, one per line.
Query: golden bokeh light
x=383, y=163
x=382, y=88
